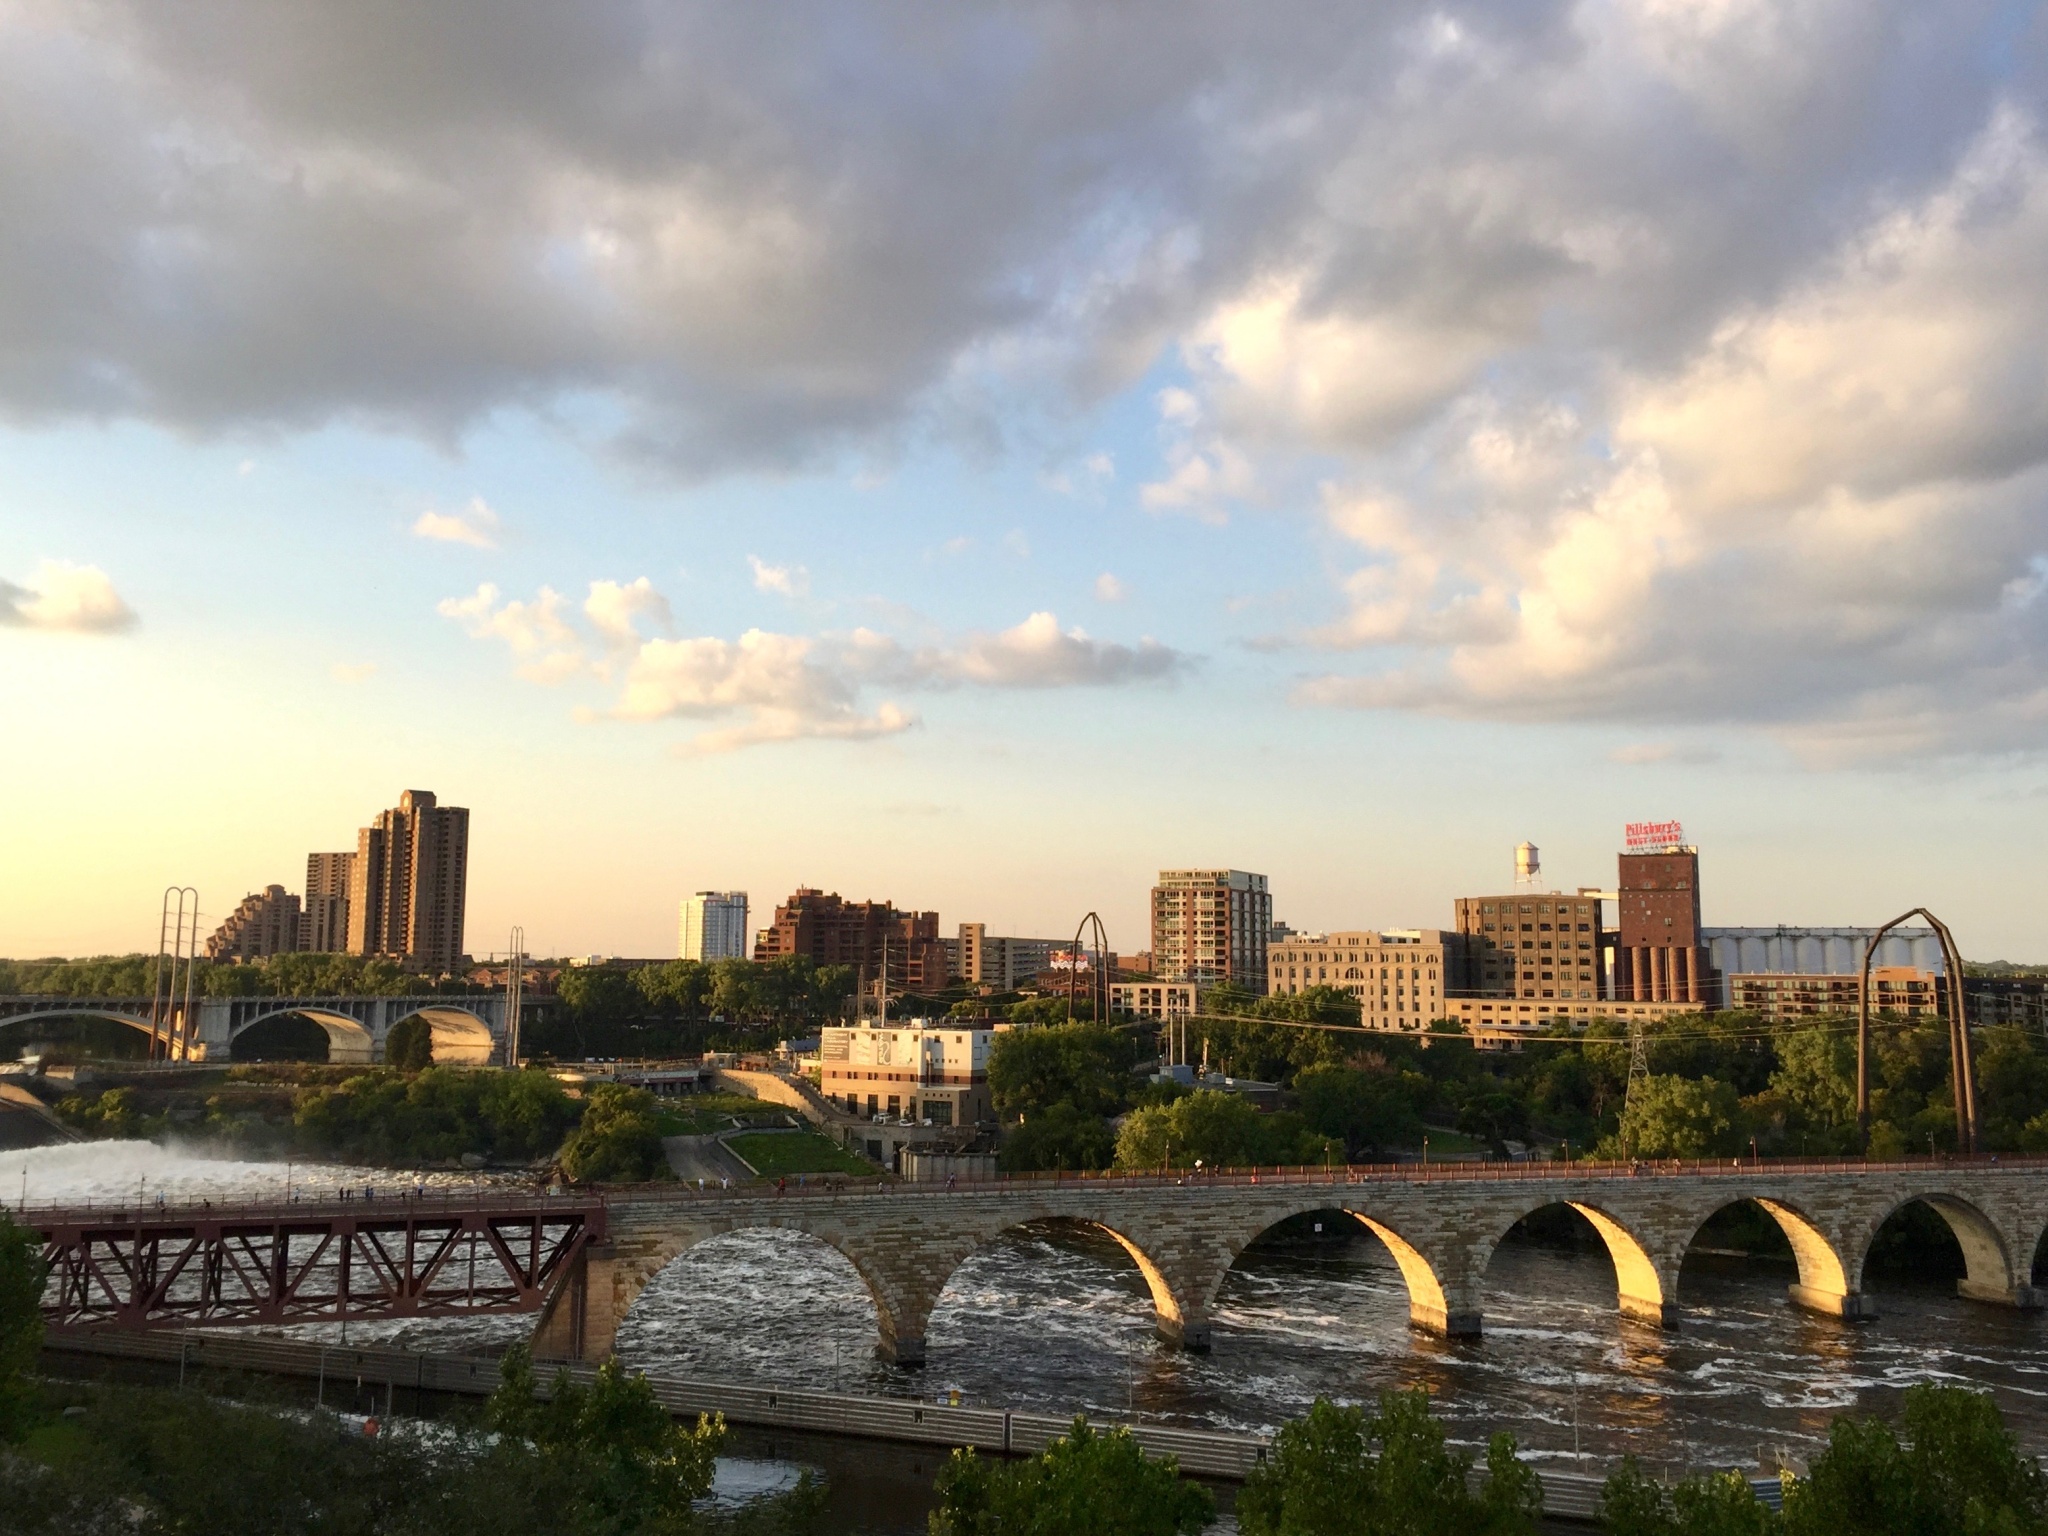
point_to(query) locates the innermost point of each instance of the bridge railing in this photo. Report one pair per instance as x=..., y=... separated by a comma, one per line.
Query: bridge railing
x=318, y=1203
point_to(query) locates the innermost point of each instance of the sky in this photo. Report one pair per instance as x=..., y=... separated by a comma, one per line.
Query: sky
x=980, y=456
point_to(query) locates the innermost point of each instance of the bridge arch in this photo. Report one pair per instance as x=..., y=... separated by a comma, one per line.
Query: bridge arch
x=1170, y=1306
x=136, y=1022
x=1825, y=1282
x=1642, y=1290
x=1990, y=1272
x=1440, y=1299
x=619, y=1280
x=349, y=1040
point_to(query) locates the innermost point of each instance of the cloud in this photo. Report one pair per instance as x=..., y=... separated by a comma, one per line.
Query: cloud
x=1666, y=363
x=475, y=525
x=1039, y=654
x=789, y=581
x=538, y=633
x=73, y=599
x=1645, y=753
x=779, y=687
x=348, y=674
x=1109, y=590
x=1826, y=521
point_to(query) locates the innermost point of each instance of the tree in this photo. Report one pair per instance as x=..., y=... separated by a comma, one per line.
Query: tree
x=1496, y=1116
x=1083, y=1484
x=1324, y=1478
x=1086, y=1065
x=409, y=1046
x=636, y=1464
x=21, y=1323
x=1718, y=1504
x=1222, y=1130
x=1059, y=1136
x=1367, y=1111
x=1680, y=1117
x=619, y=1141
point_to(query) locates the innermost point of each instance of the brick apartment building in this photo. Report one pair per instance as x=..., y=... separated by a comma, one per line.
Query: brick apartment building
x=1211, y=925
x=866, y=935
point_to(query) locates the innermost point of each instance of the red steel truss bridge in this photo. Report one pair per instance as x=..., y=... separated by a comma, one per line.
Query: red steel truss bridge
x=326, y=1260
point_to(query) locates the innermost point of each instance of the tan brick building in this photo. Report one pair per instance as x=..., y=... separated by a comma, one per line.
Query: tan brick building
x=1401, y=977
x=323, y=918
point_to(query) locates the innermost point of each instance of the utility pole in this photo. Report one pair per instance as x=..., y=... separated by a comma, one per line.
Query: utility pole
x=515, y=986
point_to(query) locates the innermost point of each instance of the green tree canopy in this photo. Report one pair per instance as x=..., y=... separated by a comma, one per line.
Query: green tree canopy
x=409, y=1047
x=1058, y=1136
x=1084, y=1484
x=1672, y=1116
x=21, y=1323
x=1086, y=1065
x=619, y=1141
x=1368, y=1111
x=1325, y=1478
x=1221, y=1130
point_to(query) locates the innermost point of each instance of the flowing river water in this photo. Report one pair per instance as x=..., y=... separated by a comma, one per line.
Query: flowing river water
x=1060, y=1321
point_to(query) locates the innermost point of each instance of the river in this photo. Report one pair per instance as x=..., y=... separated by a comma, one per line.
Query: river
x=1061, y=1321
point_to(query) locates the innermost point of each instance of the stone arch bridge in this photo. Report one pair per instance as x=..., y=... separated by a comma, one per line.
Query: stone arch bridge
x=1441, y=1227
x=466, y=1029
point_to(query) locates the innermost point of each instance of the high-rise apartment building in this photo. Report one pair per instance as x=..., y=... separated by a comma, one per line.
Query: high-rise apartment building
x=323, y=919
x=871, y=936
x=987, y=959
x=1211, y=925
x=714, y=926
x=408, y=884
x=266, y=923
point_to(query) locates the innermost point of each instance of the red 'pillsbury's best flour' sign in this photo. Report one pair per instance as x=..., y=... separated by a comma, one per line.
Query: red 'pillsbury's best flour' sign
x=1640, y=836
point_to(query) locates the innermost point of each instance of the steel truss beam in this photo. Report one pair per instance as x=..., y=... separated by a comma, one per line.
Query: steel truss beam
x=354, y=1261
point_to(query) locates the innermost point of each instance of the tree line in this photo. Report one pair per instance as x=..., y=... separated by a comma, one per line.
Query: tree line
x=1075, y=1096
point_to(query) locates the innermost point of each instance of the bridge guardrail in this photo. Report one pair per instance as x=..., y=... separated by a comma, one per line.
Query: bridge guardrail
x=487, y=1201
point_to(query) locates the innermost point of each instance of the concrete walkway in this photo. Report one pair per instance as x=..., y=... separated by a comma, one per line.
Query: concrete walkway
x=702, y=1157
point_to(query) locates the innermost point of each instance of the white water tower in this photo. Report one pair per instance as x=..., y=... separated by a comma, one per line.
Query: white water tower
x=1528, y=866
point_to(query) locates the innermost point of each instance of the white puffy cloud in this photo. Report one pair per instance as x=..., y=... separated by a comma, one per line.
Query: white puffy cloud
x=779, y=687
x=787, y=581
x=1827, y=520
x=538, y=633
x=1109, y=589
x=76, y=599
x=475, y=525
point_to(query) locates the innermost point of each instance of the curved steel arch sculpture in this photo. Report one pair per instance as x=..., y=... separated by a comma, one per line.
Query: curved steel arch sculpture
x=1960, y=1069
x=1098, y=976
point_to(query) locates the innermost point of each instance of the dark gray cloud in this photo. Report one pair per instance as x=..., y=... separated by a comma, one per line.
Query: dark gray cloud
x=762, y=235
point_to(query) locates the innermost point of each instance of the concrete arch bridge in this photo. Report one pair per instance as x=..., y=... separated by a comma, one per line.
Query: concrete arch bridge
x=466, y=1029
x=1441, y=1228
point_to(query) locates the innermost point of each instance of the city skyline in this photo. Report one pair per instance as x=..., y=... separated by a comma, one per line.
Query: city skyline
x=1340, y=450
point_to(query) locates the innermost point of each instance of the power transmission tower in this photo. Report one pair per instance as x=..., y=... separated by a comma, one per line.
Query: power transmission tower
x=1638, y=1068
